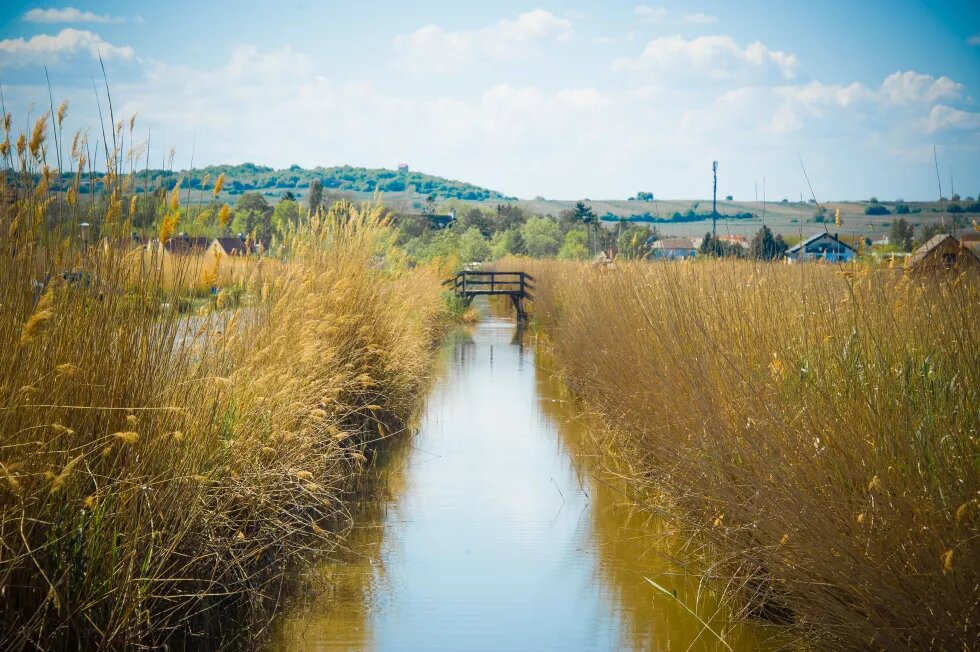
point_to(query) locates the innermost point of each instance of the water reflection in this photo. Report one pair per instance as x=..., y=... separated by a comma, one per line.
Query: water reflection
x=492, y=539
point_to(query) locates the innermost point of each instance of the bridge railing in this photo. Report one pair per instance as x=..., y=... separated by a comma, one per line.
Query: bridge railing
x=473, y=283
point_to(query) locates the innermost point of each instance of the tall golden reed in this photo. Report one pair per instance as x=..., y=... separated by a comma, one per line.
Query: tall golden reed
x=162, y=470
x=815, y=427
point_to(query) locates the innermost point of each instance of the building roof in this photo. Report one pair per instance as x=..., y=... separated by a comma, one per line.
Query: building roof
x=814, y=238
x=933, y=243
x=183, y=244
x=232, y=244
x=674, y=243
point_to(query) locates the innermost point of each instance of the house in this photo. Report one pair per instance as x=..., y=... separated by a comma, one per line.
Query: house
x=229, y=246
x=403, y=168
x=436, y=221
x=822, y=246
x=737, y=241
x=673, y=249
x=943, y=252
x=181, y=244
x=971, y=240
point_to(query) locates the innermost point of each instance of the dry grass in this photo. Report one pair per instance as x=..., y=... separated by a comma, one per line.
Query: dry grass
x=815, y=428
x=162, y=471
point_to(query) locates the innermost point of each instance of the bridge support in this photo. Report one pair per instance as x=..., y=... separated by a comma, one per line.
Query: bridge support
x=519, y=309
x=516, y=285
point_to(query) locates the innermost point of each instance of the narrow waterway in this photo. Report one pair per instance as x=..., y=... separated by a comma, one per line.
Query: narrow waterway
x=496, y=534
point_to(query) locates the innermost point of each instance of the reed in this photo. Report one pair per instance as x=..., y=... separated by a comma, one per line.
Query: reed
x=164, y=470
x=814, y=427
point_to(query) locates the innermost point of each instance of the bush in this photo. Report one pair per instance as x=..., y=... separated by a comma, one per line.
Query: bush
x=876, y=209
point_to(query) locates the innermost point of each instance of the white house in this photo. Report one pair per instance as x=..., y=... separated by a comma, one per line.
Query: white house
x=822, y=246
x=673, y=249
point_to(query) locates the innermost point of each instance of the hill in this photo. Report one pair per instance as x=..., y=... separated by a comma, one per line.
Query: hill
x=346, y=179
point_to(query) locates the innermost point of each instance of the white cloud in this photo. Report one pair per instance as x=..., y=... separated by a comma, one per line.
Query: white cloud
x=585, y=139
x=974, y=40
x=52, y=48
x=68, y=15
x=699, y=18
x=433, y=49
x=717, y=57
x=652, y=14
x=911, y=86
x=943, y=117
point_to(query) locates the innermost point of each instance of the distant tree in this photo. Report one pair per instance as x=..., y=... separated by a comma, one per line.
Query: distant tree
x=285, y=214
x=902, y=209
x=542, y=237
x=874, y=200
x=508, y=216
x=715, y=246
x=289, y=195
x=728, y=198
x=876, y=209
x=411, y=226
x=766, y=246
x=316, y=196
x=573, y=248
x=473, y=247
x=636, y=241
x=644, y=196
x=507, y=243
x=474, y=217
x=930, y=230
x=253, y=215
x=901, y=234
x=585, y=215
x=955, y=197
x=429, y=206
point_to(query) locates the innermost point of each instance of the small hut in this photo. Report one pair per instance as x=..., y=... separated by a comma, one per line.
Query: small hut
x=942, y=252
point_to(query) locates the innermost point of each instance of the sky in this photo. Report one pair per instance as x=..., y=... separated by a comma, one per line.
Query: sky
x=564, y=100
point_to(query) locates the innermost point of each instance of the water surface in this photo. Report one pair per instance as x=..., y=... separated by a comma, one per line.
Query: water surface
x=499, y=534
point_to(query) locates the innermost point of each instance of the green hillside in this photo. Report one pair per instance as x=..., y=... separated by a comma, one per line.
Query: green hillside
x=272, y=182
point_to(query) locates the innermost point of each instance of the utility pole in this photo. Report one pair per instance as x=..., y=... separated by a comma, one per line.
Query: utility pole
x=714, y=202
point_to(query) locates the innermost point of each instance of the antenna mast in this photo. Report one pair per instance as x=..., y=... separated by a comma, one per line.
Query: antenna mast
x=714, y=201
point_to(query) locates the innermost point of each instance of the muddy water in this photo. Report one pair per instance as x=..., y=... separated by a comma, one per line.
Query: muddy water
x=499, y=534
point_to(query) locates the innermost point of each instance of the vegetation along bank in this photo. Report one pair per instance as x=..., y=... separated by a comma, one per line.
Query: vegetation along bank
x=178, y=431
x=814, y=427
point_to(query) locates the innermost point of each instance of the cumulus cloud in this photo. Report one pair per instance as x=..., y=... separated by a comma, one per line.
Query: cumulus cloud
x=433, y=49
x=974, y=40
x=68, y=15
x=715, y=57
x=911, y=86
x=53, y=48
x=942, y=117
x=585, y=138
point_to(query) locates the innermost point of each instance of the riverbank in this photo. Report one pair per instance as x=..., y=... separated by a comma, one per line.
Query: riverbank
x=813, y=429
x=162, y=476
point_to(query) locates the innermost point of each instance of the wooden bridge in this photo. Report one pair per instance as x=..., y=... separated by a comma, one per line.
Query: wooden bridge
x=515, y=285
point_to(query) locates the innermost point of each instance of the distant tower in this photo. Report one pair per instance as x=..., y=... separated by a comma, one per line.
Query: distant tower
x=714, y=201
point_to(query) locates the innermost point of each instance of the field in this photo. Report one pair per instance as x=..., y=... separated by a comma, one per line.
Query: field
x=814, y=429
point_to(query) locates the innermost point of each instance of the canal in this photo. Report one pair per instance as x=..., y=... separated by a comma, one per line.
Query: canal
x=498, y=531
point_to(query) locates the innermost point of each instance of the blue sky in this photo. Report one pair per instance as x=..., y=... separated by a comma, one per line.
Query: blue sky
x=559, y=99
